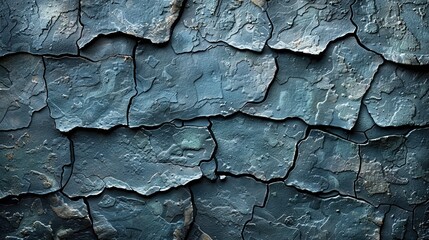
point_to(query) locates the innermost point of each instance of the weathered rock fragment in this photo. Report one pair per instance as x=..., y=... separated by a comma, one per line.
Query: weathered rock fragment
x=289, y=214
x=325, y=163
x=218, y=81
x=262, y=148
x=398, y=30
x=224, y=206
x=22, y=90
x=398, y=224
x=108, y=46
x=308, y=26
x=145, y=161
x=399, y=96
x=32, y=159
x=125, y=215
x=421, y=220
x=84, y=93
x=321, y=91
x=147, y=19
x=52, y=216
x=39, y=26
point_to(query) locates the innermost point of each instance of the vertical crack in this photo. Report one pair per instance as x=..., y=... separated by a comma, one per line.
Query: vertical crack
x=135, y=83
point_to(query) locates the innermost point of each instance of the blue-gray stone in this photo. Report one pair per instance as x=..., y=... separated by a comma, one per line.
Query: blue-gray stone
x=325, y=163
x=218, y=81
x=22, y=90
x=308, y=26
x=224, y=206
x=145, y=161
x=32, y=159
x=147, y=19
x=262, y=148
x=51, y=216
x=109, y=46
x=398, y=30
x=421, y=220
x=399, y=96
x=398, y=224
x=39, y=26
x=125, y=215
x=321, y=91
x=290, y=214
x=90, y=94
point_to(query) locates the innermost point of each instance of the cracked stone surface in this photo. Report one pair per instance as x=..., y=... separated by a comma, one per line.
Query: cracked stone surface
x=321, y=91
x=398, y=30
x=32, y=159
x=144, y=19
x=39, y=26
x=109, y=46
x=145, y=161
x=224, y=206
x=398, y=224
x=83, y=93
x=22, y=90
x=299, y=215
x=325, y=163
x=308, y=26
x=421, y=220
x=218, y=81
x=52, y=216
x=262, y=148
x=399, y=96
x=119, y=214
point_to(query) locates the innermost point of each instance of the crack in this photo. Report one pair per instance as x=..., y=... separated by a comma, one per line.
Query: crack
x=264, y=203
x=79, y=18
x=135, y=83
x=359, y=170
x=91, y=220
x=194, y=214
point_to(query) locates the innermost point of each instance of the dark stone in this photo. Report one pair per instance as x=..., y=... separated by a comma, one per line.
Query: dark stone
x=52, y=216
x=22, y=90
x=32, y=159
x=398, y=224
x=262, y=148
x=145, y=161
x=125, y=215
x=421, y=220
x=398, y=30
x=39, y=26
x=218, y=81
x=322, y=91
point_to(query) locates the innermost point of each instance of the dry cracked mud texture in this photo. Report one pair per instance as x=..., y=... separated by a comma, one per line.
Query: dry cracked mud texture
x=224, y=119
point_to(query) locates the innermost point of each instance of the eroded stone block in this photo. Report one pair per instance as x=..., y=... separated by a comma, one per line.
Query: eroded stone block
x=398, y=224
x=109, y=46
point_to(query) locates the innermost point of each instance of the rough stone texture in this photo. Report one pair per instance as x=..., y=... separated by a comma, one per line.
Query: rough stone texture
x=52, y=216
x=144, y=19
x=289, y=214
x=32, y=159
x=218, y=81
x=421, y=220
x=398, y=30
x=325, y=163
x=125, y=215
x=145, y=161
x=109, y=46
x=399, y=96
x=22, y=90
x=39, y=26
x=308, y=26
x=262, y=148
x=395, y=170
x=321, y=91
x=83, y=93
x=224, y=206
x=241, y=24
x=398, y=224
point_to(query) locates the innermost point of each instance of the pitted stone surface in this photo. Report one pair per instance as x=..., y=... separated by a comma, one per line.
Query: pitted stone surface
x=224, y=206
x=146, y=161
x=241, y=24
x=294, y=215
x=22, y=90
x=126, y=215
x=399, y=96
x=262, y=148
x=325, y=163
x=83, y=93
x=398, y=30
x=321, y=91
x=52, y=216
x=32, y=159
x=308, y=26
x=144, y=19
x=218, y=81
x=39, y=26
x=395, y=170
